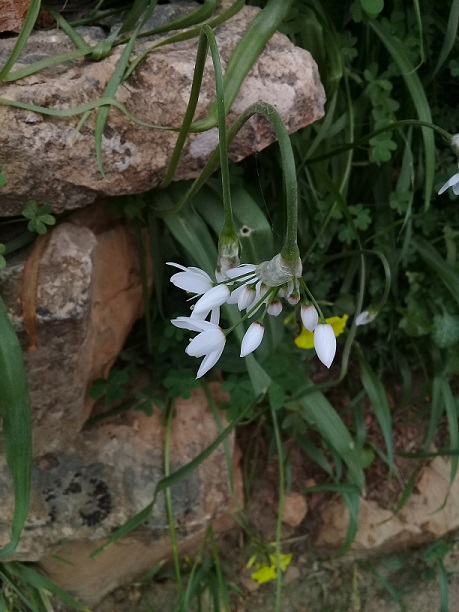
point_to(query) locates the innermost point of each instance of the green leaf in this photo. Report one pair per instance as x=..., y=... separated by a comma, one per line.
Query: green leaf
x=321, y=416
x=377, y=396
x=418, y=96
x=21, y=40
x=16, y=424
x=372, y=7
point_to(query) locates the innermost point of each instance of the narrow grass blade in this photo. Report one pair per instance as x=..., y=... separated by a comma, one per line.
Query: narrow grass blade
x=352, y=501
x=418, y=96
x=321, y=415
x=21, y=41
x=16, y=423
x=245, y=54
x=192, y=18
x=453, y=429
x=448, y=275
x=450, y=36
x=436, y=411
x=41, y=582
x=377, y=396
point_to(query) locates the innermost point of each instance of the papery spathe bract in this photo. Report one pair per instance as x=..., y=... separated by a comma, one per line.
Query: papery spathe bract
x=325, y=343
x=309, y=317
x=252, y=338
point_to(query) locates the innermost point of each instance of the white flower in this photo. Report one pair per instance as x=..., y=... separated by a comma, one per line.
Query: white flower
x=309, y=317
x=214, y=297
x=209, y=343
x=452, y=182
x=275, y=308
x=193, y=280
x=246, y=297
x=209, y=361
x=252, y=338
x=325, y=343
x=365, y=317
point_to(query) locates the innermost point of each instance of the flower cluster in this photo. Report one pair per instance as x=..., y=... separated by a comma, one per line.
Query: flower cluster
x=251, y=288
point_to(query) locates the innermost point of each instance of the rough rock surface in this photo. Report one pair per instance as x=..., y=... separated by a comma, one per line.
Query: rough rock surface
x=43, y=158
x=429, y=514
x=80, y=493
x=12, y=14
x=88, y=296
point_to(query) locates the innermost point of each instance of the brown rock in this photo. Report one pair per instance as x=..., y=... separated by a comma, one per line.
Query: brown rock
x=89, y=295
x=295, y=509
x=44, y=159
x=83, y=491
x=12, y=14
x=428, y=515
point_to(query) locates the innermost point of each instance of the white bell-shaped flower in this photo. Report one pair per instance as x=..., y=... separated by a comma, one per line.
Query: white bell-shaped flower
x=275, y=308
x=252, y=338
x=309, y=317
x=325, y=343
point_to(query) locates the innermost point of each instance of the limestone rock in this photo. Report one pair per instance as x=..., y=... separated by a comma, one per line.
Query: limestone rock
x=88, y=296
x=43, y=158
x=428, y=514
x=80, y=493
x=295, y=509
x=12, y=14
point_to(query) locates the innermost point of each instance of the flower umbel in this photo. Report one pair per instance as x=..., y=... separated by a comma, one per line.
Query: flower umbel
x=254, y=289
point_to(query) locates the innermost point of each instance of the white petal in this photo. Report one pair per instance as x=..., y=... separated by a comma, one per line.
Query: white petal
x=241, y=271
x=365, y=317
x=234, y=295
x=293, y=298
x=325, y=343
x=209, y=361
x=192, y=324
x=261, y=292
x=176, y=265
x=309, y=317
x=194, y=282
x=246, y=298
x=206, y=342
x=452, y=182
x=215, y=315
x=275, y=308
x=252, y=338
x=212, y=298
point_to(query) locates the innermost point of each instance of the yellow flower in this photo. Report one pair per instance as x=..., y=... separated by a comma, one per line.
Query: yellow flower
x=306, y=339
x=264, y=572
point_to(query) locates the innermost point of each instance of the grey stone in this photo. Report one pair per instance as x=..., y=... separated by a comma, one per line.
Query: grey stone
x=88, y=296
x=43, y=157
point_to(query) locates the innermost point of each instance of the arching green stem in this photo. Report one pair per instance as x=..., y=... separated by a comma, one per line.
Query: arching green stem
x=290, y=249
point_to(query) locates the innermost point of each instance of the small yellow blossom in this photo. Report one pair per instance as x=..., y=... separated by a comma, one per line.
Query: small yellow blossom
x=306, y=339
x=264, y=572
